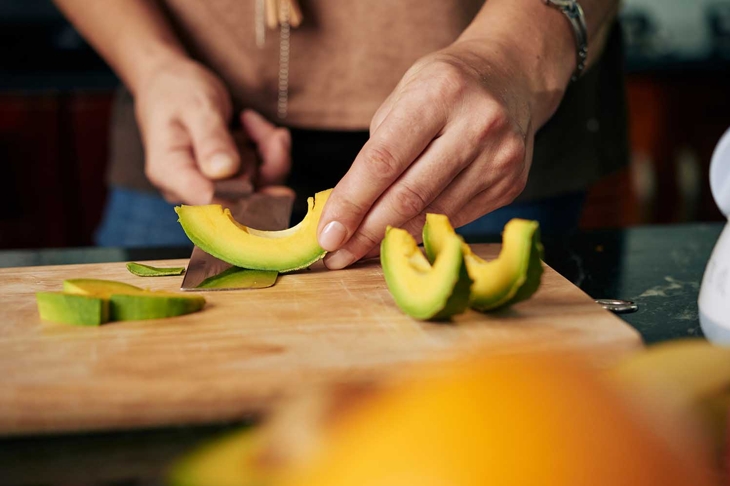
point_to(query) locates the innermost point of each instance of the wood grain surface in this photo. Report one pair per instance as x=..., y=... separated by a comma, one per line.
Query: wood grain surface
x=249, y=348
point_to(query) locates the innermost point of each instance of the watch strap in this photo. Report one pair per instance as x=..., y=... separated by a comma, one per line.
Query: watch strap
x=574, y=13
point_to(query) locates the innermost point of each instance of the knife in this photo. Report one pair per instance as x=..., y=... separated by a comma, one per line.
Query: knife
x=256, y=210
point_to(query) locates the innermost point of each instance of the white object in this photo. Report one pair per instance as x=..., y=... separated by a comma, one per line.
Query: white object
x=714, y=300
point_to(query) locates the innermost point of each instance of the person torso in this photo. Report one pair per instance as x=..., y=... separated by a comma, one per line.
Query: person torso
x=344, y=59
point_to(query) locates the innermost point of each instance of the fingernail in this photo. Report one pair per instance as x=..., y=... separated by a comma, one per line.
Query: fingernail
x=338, y=260
x=221, y=165
x=332, y=236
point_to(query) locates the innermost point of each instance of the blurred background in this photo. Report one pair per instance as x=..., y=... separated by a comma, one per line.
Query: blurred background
x=55, y=100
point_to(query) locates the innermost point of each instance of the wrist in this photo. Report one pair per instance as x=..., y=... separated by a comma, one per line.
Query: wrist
x=537, y=42
x=153, y=62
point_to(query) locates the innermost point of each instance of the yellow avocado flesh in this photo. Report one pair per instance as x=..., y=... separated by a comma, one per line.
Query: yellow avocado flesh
x=422, y=290
x=214, y=231
x=97, y=287
x=130, y=303
x=496, y=282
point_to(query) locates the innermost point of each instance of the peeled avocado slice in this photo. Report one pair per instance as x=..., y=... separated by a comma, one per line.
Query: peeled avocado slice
x=214, y=231
x=512, y=277
x=130, y=303
x=80, y=310
x=422, y=290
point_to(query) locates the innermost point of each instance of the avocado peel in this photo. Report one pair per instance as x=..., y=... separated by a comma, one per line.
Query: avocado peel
x=142, y=270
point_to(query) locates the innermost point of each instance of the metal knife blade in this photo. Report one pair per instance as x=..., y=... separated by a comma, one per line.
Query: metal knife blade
x=261, y=211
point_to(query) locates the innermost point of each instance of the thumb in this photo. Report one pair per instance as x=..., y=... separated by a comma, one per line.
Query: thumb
x=215, y=151
x=274, y=147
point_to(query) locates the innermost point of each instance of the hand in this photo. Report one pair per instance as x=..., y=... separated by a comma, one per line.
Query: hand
x=455, y=137
x=184, y=112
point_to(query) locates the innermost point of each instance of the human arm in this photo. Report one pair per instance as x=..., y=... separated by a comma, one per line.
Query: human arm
x=456, y=135
x=183, y=109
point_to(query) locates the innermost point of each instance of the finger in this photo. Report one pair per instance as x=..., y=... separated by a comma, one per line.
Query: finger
x=443, y=160
x=497, y=176
x=461, y=208
x=403, y=135
x=382, y=113
x=247, y=153
x=213, y=145
x=279, y=191
x=273, y=144
x=170, y=166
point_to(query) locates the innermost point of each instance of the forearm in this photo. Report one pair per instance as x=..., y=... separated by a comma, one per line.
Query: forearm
x=539, y=41
x=133, y=36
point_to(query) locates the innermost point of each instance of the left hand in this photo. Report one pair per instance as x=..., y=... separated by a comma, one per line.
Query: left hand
x=455, y=137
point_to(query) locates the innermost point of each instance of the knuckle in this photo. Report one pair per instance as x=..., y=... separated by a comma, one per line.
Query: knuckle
x=513, y=191
x=436, y=207
x=382, y=162
x=349, y=208
x=408, y=202
x=366, y=240
x=493, y=122
x=511, y=154
x=515, y=149
x=449, y=82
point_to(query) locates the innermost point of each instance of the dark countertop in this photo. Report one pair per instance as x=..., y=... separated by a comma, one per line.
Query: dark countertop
x=659, y=267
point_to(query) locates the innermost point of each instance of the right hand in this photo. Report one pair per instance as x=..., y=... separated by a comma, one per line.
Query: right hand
x=183, y=111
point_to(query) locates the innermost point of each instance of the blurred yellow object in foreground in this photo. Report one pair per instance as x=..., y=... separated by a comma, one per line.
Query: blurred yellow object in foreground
x=522, y=420
x=528, y=419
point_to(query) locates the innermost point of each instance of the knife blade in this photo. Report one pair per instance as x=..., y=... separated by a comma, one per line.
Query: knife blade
x=256, y=210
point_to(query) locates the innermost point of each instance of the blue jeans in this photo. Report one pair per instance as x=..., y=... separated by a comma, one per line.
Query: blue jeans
x=141, y=219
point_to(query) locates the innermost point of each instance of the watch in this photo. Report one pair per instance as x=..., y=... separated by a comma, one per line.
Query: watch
x=577, y=19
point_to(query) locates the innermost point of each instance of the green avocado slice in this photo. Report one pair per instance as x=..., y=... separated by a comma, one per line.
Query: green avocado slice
x=422, y=290
x=141, y=270
x=213, y=229
x=512, y=277
x=130, y=303
x=80, y=310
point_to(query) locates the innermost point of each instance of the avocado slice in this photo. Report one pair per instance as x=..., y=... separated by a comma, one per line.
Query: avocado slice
x=422, y=290
x=130, y=303
x=512, y=277
x=80, y=310
x=142, y=270
x=214, y=231
x=97, y=287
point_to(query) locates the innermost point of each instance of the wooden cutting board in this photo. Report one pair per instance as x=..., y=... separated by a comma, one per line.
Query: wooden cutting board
x=248, y=348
